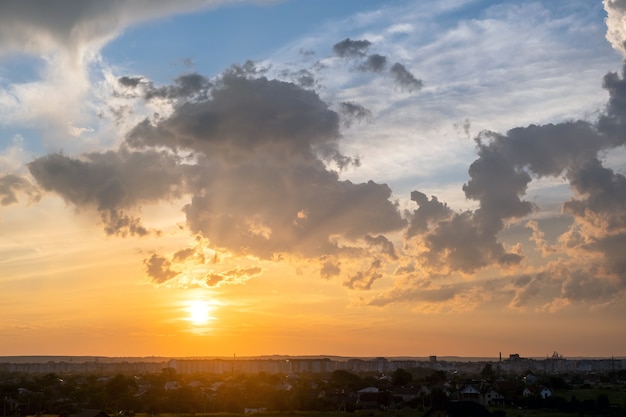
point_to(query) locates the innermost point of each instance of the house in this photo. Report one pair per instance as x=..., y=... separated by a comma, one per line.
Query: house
x=407, y=394
x=492, y=397
x=470, y=393
x=540, y=391
x=545, y=392
x=368, y=398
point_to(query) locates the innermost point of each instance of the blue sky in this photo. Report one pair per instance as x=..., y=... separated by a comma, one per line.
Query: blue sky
x=410, y=162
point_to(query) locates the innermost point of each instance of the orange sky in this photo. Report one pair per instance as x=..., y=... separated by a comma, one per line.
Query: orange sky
x=366, y=188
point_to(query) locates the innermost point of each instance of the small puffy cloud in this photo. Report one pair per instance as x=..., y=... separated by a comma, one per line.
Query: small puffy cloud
x=159, y=269
x=131, y=82
x=351, y=112
x=404, y=79
x=349, y=48
x=374, y=63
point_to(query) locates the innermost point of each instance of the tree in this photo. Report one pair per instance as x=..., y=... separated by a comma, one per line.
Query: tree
x=400, y=377
x=488, y=373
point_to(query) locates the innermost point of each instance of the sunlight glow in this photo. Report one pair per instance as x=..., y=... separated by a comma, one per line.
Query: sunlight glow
x=199, y=312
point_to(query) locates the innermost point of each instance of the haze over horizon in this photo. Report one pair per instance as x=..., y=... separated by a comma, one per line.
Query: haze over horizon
x=357, y=178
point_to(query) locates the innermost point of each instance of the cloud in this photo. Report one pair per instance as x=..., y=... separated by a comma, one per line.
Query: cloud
x=159, y=269
x=404, y=79
x=386, y=246
x=233, y=276
x=252, y=155
x=589, y=267
x=257, y=165
x=351, y=112
x=363, y=280
x=374, y=63
x=329, y=270
x=348, y=48
x=428, y=297
x=65, y=24
x=110, y=183
x=616, y=24
x=187, y=86
x=11, y=185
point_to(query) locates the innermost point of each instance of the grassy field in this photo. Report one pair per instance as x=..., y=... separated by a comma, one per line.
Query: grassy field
x=616, y=395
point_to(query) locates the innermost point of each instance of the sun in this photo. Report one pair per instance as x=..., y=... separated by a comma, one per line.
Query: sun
x=199, y=312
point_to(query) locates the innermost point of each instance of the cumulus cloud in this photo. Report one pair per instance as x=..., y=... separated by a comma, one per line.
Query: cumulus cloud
x=252, y=155
x=499, y=177
x=616, y=24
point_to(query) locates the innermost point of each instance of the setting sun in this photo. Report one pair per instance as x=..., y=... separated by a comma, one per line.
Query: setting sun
x=199, y=312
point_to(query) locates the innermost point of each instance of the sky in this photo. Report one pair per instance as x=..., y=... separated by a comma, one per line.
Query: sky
x=355, y=178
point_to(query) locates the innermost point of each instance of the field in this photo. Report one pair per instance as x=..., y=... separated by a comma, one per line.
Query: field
x=617, y=396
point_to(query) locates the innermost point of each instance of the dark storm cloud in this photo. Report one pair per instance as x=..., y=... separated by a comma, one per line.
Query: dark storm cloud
x=351, y=112
x=348, y=48
x=11, y=185
x=404, y=79
x=374, y=63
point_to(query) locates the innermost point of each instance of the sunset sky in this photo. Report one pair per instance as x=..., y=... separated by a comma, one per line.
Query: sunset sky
x=355, y=177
